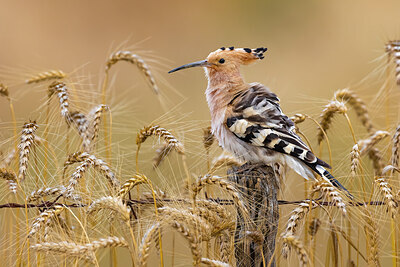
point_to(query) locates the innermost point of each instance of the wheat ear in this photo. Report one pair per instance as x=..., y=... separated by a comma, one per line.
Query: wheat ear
x=87, y=161
x=377, y=161
x=224, y=160
x=25, y=147
x=45, y=191
x=112, y=203
x=223, y=183
x=355, y=157
x=44, y=218
x=47, y=76
x=95, y=114
x=4, y=90
x=8, y=159
x=86, y=251
x=371, y=231
x=345, y=95
x=327, y=115
x=298, y=118
x=135, y=60
x=131, y=183
x=393, y=49
x=149, y=237
x=215, y=208
x=314, y=226
x=161, y=153
x=396, y=147
x=11, y=179
x=208, y=138
x=161, y=133
x=214, y=263
x=330, y=192
x=386, y=191
x=366, y=144
x=293, y=242
x=81, y=123
x=297, y=215
x=194, y=241
x=193, y=221
x=61, y=90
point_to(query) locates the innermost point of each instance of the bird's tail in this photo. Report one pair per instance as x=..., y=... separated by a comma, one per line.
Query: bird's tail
x=329, y=177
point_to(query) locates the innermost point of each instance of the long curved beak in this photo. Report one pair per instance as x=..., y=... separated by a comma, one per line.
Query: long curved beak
x=202, y=63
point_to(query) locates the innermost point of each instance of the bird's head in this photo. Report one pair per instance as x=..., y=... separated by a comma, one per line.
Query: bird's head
x=227, y=59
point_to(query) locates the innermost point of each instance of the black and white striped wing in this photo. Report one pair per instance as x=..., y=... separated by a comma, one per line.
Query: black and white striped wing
x=256, y=118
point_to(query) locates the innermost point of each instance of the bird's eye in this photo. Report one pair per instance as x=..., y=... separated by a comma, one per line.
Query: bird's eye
x=222, y=61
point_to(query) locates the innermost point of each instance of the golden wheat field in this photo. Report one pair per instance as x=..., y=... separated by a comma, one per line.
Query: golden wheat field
x=108, y=160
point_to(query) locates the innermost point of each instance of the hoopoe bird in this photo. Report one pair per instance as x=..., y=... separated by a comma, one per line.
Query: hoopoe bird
x=247, y=119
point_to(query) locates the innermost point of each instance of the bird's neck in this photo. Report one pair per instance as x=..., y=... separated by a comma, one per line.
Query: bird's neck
x=222, y=87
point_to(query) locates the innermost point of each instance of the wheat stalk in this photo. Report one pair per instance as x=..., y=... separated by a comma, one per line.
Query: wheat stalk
x=11, y=179
x=25, y=146
x=46, y=76
x=327, y=115
x=135, y=60
x=359, y=106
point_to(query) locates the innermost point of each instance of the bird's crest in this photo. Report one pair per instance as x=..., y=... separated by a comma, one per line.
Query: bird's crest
x=240, y=55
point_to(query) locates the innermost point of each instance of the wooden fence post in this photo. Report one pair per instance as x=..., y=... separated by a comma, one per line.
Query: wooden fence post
x=259, y=186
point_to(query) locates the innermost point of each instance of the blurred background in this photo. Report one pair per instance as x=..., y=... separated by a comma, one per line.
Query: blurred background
x=314, y=48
